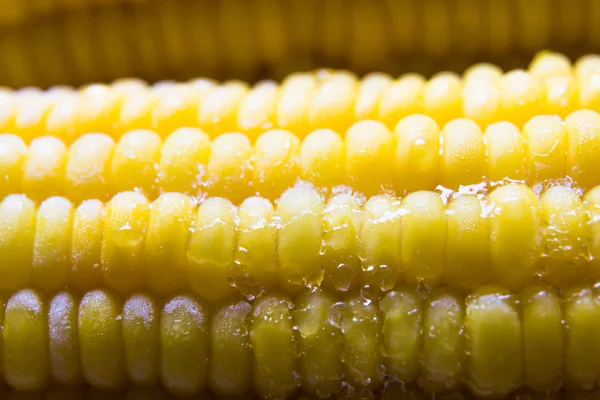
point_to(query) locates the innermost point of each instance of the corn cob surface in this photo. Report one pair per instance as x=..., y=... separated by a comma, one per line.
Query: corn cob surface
x=490, y=342
x=305, y=102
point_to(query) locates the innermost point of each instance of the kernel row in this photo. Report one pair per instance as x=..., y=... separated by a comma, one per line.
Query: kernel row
x=305, y=102
x=511, y=237
x=492, y=342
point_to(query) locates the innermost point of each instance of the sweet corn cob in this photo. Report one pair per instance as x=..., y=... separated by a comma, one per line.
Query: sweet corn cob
x=305, y=102
x=490, y=342
x=509, y=237
x=369, y=158
x=157, y=40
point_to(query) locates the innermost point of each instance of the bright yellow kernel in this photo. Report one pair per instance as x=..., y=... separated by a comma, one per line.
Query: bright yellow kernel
x=136, y=111
x=546, y=139
x=257, y=243
x=86, y=244
x=129, y=86
x=30, y=118
x=211, y=249
x=467, y=245
x=369, y=156
x=299, y=237
x=515, y=234
x=219, y=109
x=294, y=103
x=170, y=220
x=380, y=242
x=229, y=167
x=13, y=153
x=370, y=93
x=332, y=105
x=88, y=168
x=522, y=96
x=135, y=162
x=44, y=169
x=505, y=150
x=183, y=159
x=583, y=157
x=52, y=244
x=404, y=97
x=463, y=160
x=322, y=158
x=256, y=113
x=125, y=230
x=564, y=232
x=276, y=162
x=423, y=238
x=63, y=347
x=561, y=95
x=175, y=108
x=482, y=72
x=547, y=64
x=442, y=97
x=59, y=121
x=417, y=161
x=592, y=208
x=481, y=100
x=97, y=110
x=588, y=82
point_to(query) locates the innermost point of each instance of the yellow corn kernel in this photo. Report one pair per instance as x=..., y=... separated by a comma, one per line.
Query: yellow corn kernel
x=44, y=169
x=482, y=98
x=522, y=96
x=256, y=113
x=588, y=81
x=543, y=339
x=332, y=105
x=423, y=238
x=515, y=235
x=483, y=72
x=442, y=97
x=402, y=316
x=52, y=244
x=322, y=158
x=582, y=347
x=546, y=64
x=101, y=341
x=340, y=248
x=129, y=86
x=13, y=153
x=60, y=118
x=294, y=103
x=404, y=97
x=256, y=252
x=591, y=202
x=30, y=118
x=97, y=110
x=219, y=109
x=210, y=253
x=380, y=242
x=362, y=340
x=299, y=238
x=546, y=139
x=174, y=108
x=137, y=111
x=135, y=162
x=25, y=341
x=230, y=370
x=229, y=167
x=8, y=106
x=63, y=341
x=564, y=233
x=184, y=349
x=561, y=95
x=369, y=95
x=141, y=339
x=443, y=342
x=272, y=340
x=583, y=157
x=125, y=228
x=369, y=156
x=320, y=343
x=417, y=161
x=468, y=244
x=586, y=64
x=276, y=162
x=463, y=160
x=86, y=245
x=183, y=159
x=88, y=167
x=165, y=251
x=505, y=151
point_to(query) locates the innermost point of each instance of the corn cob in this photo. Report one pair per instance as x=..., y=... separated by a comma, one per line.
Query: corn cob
x=157, y=39
x=510, y=238
x=491, y=342
x=305, y=102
